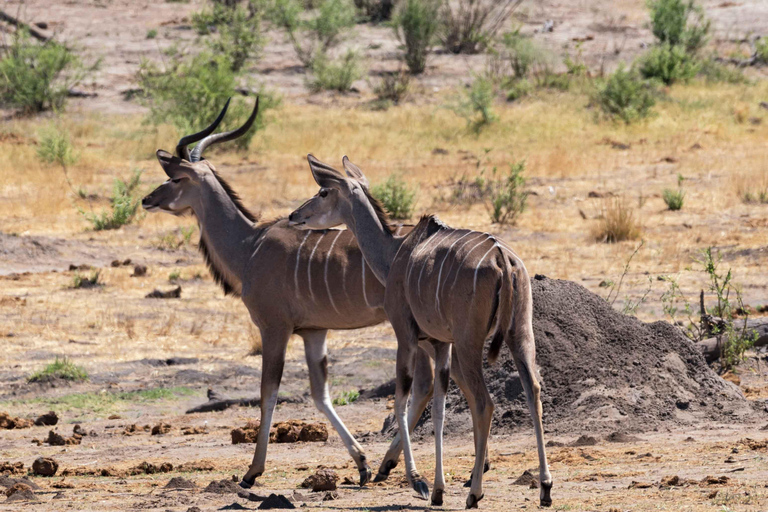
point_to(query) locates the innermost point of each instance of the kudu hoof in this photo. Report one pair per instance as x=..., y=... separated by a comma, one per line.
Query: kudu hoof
x=421, y=487
x=365, y=475
x=545, y=498
x=472, y=500
x=247, y=483
x=384, y=470
x=437, y=497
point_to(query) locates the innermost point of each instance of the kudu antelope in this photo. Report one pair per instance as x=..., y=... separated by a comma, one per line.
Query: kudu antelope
x=451, y=286
x=291, y=281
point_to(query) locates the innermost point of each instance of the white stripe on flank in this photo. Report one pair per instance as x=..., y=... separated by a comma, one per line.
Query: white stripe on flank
x=413, y=257
x=365, y=296
x=458, y=270
x=474, y=283
x=453, y=260
x=439, y=274
x=296, y=270
x=309, y=267
x=325, y=277
x=421, y=272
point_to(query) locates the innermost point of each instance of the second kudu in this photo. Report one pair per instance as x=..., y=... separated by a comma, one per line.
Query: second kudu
x=456, y=286
x=291, y=281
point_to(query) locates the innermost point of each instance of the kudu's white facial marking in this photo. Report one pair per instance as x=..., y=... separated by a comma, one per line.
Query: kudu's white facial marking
x=296, y=270
x=325, y=276
x=309, y=266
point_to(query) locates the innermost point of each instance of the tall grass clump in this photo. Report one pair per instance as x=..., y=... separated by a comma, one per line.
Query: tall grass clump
x=470, y=25
x=625, y=96
x=397, y=197
x=753, y=189
x=233, y=31
x=336, y=74
x=62, y=368
x=617, y=223
x=674, y=198
x=37, y=76
x=416, y=23
x=189, y=92
x=124, y=203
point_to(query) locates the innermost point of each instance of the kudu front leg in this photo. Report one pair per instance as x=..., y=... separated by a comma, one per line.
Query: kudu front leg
x=316, y=353
x=421, y=393
x=274, y=342
x=442, y=377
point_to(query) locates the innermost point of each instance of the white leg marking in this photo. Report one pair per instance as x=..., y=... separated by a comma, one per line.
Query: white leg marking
x=474, y=283
x=325, y=277
x=440, y=273
x=465, y=257
x=421, y=272
x=296, y=270
x=365, y=296
x=309, y=267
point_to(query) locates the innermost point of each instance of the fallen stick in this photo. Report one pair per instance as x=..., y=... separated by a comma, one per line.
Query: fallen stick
x=37, y=34
x=711, y=348
x=218, y=402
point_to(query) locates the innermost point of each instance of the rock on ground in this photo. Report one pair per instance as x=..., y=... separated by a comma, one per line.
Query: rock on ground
x=322, y=480
x=45, y=466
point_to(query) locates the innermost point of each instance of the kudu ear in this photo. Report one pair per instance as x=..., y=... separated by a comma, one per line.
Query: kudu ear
x=354, y=171
x=325, y=175
x=174, y=166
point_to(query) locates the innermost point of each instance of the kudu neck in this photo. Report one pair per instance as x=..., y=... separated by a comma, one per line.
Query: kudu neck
x=225, y=231
x=376, y=241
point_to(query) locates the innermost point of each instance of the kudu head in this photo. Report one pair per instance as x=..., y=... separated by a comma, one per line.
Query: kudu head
x=187, y=172
x=338, y=196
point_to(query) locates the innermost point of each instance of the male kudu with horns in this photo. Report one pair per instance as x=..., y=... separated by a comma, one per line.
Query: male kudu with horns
x=455, y=286
x=291, y=281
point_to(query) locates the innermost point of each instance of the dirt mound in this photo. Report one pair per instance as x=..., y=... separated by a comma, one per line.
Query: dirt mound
x=222, y=487
x=178, y=482
x=601, y=369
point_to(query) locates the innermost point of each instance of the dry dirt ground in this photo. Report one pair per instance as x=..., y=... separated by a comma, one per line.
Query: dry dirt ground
x=715, y=137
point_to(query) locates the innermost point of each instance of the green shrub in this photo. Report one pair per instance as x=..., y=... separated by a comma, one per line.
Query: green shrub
x=152, y=33
x=312, y=33
x=123, y=205
x=396, y=196
x=669, y=64
x=524, y=55
x=416, y=23
x=337, y=74
x=36, y=77
x=54, y=147
x=673, y=198
x=470, y=25
x=239, y=32
x=506, y=197
x=62, y=368
x=79, y=281
x=679, y=23
x=189, y=92
x=393, y=87
x=715, y=72
x=625, y=96
x=475, y=103
x=516, y=89
x=761, y=50
x=346, y=398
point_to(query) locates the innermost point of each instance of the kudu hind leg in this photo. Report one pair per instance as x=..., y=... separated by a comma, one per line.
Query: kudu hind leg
x=524, y=355
x=274, y=342
x=421, y=393
x=458, y=378
x=442, y=377
x=315, y=350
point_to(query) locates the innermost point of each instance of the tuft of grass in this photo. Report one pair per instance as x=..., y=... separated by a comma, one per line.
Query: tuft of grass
x=174, y=276
x=62, y=368
x=396, y=196
x=152, y=33
x=346, y=398
x=673, y=198
x=336, y=74
x=617, y=223
x=175, y=239
x=79, y=281
x=752, y=189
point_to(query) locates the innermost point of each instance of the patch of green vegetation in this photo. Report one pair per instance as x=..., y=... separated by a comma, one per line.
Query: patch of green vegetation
x=80, y=281
x=174, y=276
x=124, y=204
x=62, y=368
x=396, y=196
x=152, y=33
x=346, y=398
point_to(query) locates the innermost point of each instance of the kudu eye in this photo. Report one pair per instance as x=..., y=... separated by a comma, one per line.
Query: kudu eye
x=176, y=180
x=323, y=193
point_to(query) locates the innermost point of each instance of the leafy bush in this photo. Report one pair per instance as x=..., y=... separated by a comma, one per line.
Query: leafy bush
x=396, y=196
x=673, y=198
x=36, y=77
x=470, y=25
x=416, y=23
x=669, y=64
x=679, y=23
x=123, y=202
x=523, y=54
x=346, y=398
x=189, y=93
x=152, y=33
x=475, y=103
x=376, y=10
x=393, y=87
x=337, y=74
x=54, y=147
x=617, y=223
x=625, y=96
x=62, y=368
x=239, y=32
x=313, y=33
x=507, y=199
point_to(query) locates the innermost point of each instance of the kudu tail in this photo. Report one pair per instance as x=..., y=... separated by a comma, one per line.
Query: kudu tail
x=505, y=313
